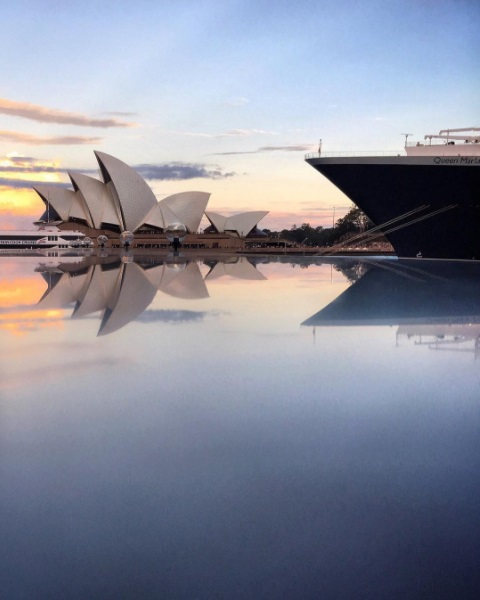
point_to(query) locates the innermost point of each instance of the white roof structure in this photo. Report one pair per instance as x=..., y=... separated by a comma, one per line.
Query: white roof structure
x=241, y=224
x=187, y=207
x=95, y=195
x=130, y=193
x=58, y=199
x=124, y=201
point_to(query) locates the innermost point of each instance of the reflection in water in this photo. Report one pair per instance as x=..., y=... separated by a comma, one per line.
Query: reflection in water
x=123, y=289
x=240, y=269
x=230, y=457
x=435, y=303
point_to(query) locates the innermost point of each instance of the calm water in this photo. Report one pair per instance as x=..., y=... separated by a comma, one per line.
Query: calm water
x=251, y=428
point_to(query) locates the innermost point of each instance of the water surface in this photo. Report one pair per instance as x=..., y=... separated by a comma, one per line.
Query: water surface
x=245, y=428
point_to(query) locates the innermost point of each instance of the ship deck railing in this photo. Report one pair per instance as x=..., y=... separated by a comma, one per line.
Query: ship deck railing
x=350, y=154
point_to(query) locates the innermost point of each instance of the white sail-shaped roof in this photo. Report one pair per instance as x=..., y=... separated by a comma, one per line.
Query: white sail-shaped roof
x=135, y=198
x=155, y=217
x=99, y=201
x=123, y=199
x=169, y=217
x=217, y=220
x=80, y=210
x=242, y=223
x=60, y=199
x=188, y=206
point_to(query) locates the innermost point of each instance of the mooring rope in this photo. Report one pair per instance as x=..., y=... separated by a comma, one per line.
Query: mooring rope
x=380, y=232
x=358, y=236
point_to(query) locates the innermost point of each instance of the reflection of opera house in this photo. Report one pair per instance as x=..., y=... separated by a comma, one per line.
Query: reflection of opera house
x=124, y=202
x=121, y=291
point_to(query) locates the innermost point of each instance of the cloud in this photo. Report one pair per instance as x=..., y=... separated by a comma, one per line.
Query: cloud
x=51, y=115
x=118, y=113
x=31, y=169
x=41, y=169
x=36, y=140
x=18, y=158
x=29, y=164
x=246, y=133
x=295, y=148
x=172, y=316
x=166, y=172
x=265, y=149
x=314, y=207
x=180, y=171
x=21, y=172
x=230, y=133
x=237, y=101
x=25, y=184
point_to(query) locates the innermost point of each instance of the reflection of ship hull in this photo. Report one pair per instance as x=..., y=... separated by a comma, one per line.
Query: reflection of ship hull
x=407, y=292
x=432, y=203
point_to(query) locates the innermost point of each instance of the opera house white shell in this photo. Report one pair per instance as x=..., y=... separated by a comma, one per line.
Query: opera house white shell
x=241, y=224
x=123, y=201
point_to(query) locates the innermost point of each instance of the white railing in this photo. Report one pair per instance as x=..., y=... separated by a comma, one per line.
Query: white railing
x=349, y=154
x=429, y=142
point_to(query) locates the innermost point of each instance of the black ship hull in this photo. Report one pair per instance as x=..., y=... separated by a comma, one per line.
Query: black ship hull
x=426, y=207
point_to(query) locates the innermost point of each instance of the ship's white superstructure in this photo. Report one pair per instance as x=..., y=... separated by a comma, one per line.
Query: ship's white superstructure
x=448, y=142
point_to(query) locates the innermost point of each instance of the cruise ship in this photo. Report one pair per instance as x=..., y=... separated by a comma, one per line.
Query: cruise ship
x=426, y=201
x=43, y=237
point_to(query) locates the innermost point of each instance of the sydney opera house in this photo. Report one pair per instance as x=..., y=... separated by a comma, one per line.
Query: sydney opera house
x=123, y=202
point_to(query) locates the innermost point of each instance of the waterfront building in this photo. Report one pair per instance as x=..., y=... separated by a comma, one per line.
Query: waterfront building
x=123, y=202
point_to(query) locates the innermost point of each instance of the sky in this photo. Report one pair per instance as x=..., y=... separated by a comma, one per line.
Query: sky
x=226, y=96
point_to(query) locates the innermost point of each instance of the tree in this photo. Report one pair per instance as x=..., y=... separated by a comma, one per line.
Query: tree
x=355, y=221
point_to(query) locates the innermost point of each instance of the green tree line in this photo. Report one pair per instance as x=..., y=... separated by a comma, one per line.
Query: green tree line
x=354, y=222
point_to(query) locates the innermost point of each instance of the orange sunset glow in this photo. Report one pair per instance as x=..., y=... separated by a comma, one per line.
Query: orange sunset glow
x=19, y=204
x=25, y=291
x=21, y=294
x=19, y=323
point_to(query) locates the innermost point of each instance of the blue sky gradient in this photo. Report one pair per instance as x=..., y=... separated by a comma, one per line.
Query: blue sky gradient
x=239, y=88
